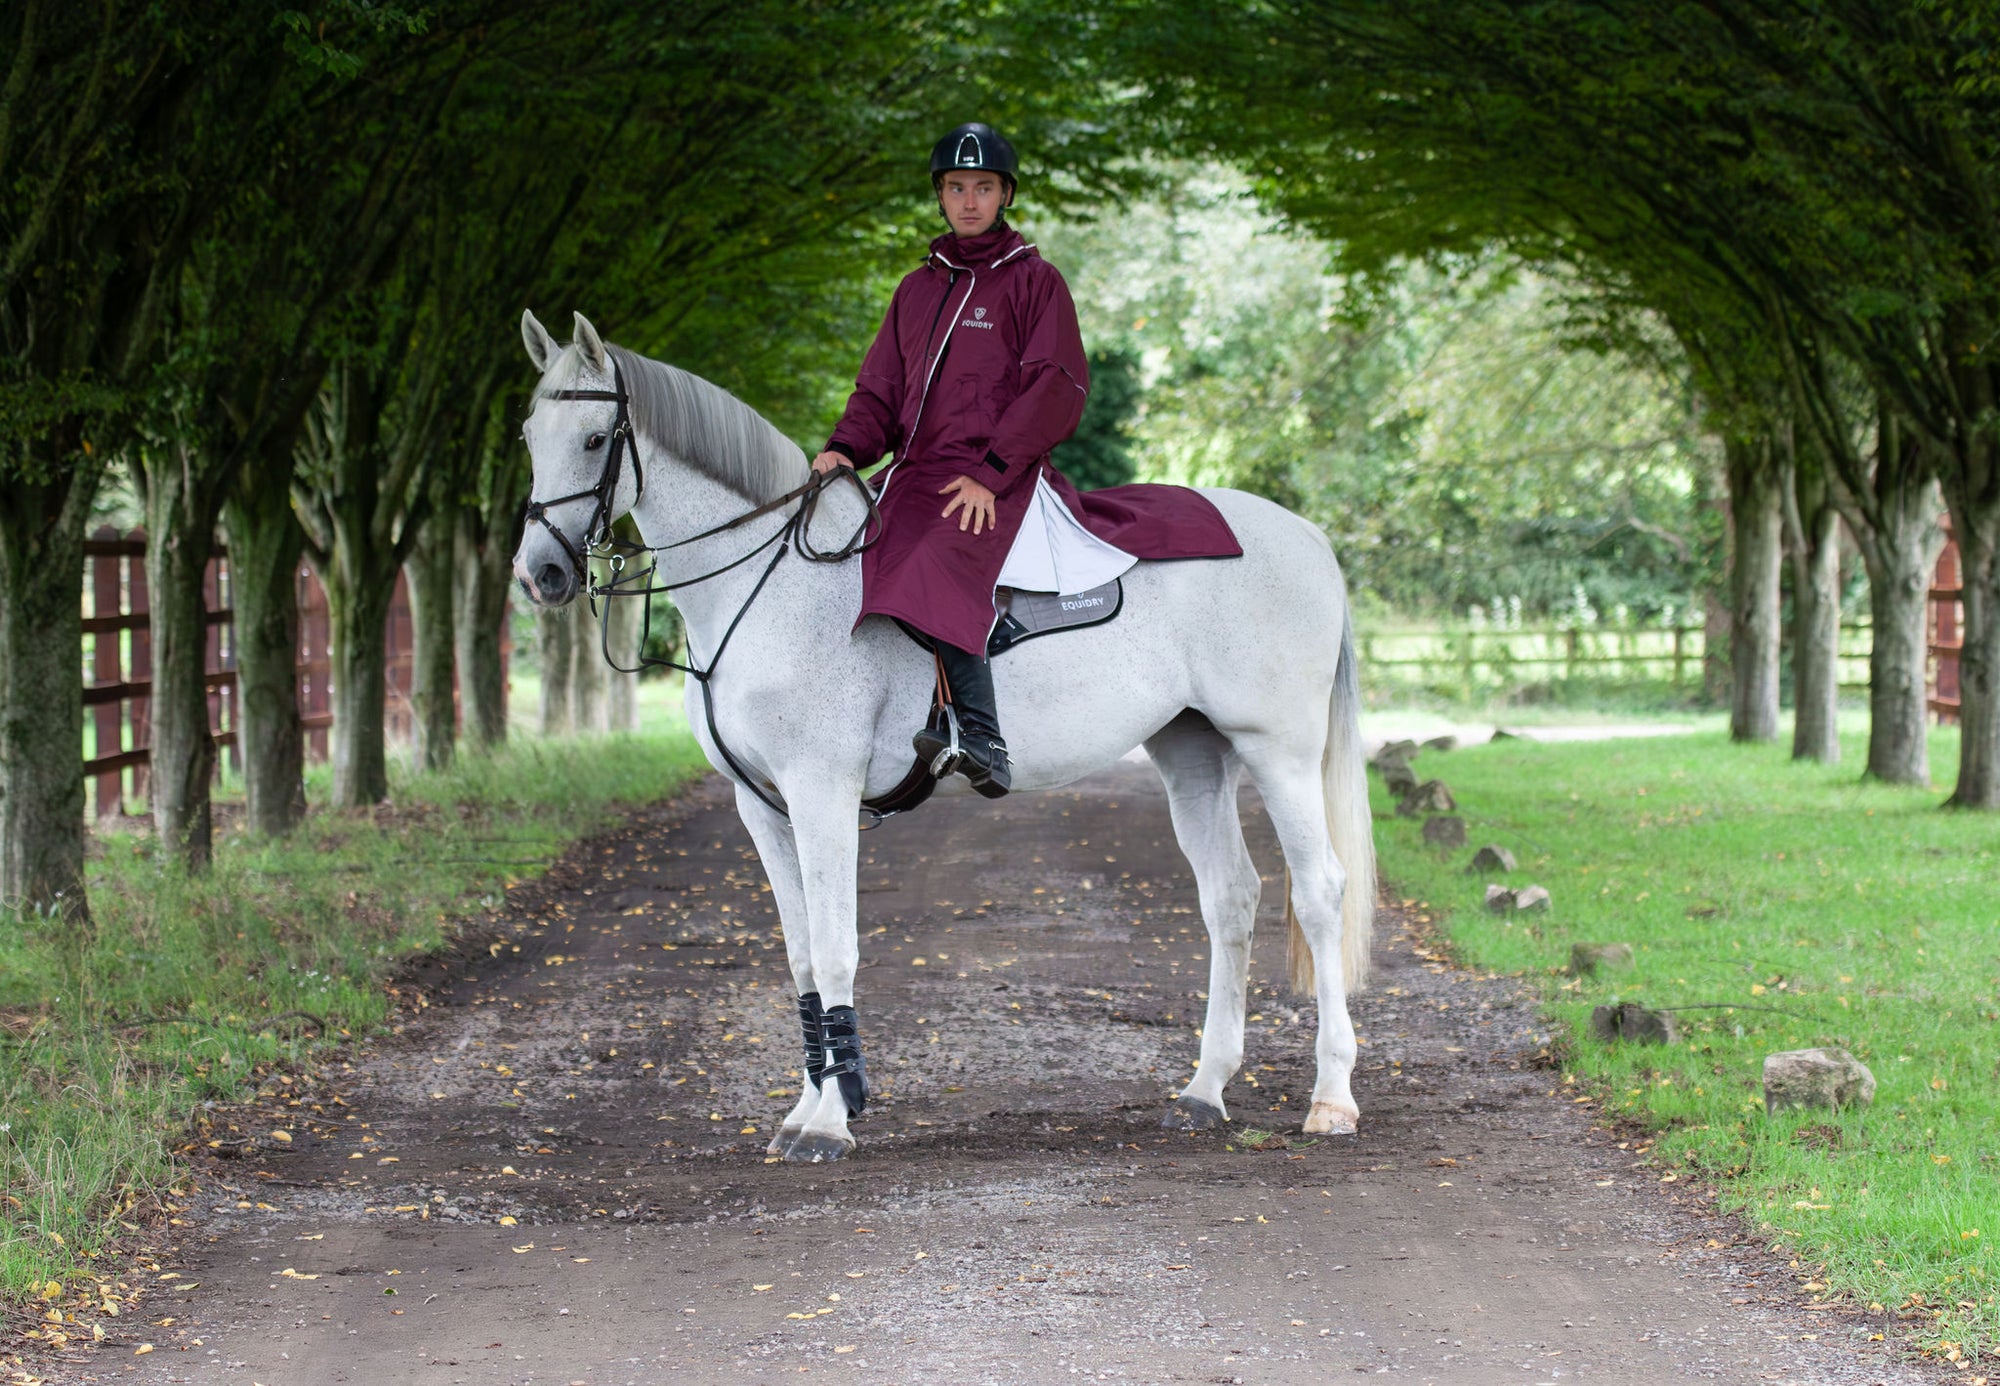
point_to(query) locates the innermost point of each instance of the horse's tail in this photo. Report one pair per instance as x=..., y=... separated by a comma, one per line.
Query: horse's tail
x=1344, y=774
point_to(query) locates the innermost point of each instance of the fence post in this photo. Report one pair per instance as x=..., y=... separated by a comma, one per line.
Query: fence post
x=107, y=601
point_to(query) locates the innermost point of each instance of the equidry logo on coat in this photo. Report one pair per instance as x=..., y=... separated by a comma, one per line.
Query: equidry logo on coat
x=977, y=313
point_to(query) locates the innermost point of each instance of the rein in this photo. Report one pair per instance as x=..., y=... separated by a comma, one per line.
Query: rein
x=599, y=542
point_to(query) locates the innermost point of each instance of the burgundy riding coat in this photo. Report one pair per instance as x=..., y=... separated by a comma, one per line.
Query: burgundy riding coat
x=979, y=371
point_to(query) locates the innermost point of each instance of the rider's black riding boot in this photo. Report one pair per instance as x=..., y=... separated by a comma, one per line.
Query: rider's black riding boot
x=982, y=754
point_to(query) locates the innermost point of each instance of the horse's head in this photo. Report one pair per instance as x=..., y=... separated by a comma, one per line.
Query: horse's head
x=582, y=451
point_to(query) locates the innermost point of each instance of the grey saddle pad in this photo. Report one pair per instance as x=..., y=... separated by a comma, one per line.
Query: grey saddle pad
x=1025, y=615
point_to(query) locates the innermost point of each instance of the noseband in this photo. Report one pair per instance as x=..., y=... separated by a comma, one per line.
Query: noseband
x=606, y=490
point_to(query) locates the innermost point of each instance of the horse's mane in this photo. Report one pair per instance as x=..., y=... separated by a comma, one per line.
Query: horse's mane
x=700, y=424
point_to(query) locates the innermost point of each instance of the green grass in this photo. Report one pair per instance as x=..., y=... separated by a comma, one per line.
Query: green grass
x=110, y=1038
x=1859, y=916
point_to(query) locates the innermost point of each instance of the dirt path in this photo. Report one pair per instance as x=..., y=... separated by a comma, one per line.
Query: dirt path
x=1029, y=992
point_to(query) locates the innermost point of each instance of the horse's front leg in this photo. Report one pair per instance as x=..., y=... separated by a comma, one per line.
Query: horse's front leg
x=779, y=854
x=824, y=829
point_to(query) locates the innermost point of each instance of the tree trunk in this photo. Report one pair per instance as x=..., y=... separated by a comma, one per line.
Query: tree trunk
x=1756, y=525
x=621, y=701
x=265, y=545
x=180, y=540
x=41, y=695
x=482, y=581
x=1975, y=526
x=434, y=712
x=588, y=676
x=553, y=638
x=356, y=613
x=1900, y=552
x=1812, y=539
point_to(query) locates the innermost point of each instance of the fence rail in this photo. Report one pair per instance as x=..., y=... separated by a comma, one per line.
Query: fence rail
x=117, y=654
x=1466, y=658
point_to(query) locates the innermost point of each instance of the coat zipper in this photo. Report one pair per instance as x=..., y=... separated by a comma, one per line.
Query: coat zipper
x=972, y=283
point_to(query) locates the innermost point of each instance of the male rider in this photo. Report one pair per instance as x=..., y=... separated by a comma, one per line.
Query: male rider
x=977, y=373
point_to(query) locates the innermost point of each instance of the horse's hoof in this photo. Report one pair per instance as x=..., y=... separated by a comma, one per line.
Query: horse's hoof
x=1192, y=1114
x=786, y=1135
x=1325, y=1119
x=811, y=1148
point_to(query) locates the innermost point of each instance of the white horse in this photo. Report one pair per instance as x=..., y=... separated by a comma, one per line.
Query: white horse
x=1215, y=666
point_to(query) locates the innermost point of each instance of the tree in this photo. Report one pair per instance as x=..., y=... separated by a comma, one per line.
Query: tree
x=97, y=210
x=1808, y=161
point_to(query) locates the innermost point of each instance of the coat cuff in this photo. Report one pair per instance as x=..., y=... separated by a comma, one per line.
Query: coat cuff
x=833, y=445
x=996, y=461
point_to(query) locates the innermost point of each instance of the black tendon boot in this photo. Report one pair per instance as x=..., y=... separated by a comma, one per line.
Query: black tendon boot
x=982, y=755
x=810, y=1016
x=840, y=1035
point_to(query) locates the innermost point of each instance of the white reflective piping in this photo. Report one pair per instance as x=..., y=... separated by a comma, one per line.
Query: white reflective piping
x=925, y=397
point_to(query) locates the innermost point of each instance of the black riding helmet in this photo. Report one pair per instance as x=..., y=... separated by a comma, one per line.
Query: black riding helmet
x=975, y=145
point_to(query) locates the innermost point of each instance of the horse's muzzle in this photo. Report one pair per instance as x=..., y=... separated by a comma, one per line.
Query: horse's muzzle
x=552, y=584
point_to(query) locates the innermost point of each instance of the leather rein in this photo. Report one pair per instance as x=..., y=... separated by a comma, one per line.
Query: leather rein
x=600, y=543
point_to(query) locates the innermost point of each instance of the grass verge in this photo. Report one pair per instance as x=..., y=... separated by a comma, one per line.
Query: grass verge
x=1815, y=910
x=194, y=989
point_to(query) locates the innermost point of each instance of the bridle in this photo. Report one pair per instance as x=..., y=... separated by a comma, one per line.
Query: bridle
x=605, y=491
x=600, y=543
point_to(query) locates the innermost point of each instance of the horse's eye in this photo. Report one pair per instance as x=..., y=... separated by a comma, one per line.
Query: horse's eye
x=593, y=442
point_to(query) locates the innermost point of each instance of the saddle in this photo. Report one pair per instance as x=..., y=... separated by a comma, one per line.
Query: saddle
x=1024, y=616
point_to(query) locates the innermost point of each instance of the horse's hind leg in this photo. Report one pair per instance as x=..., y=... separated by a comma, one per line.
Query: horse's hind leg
x=1289, y=775
x=1201, y=774
x=778, y=852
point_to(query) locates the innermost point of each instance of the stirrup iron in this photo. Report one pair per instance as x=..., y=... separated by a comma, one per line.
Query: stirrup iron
x=946, y=761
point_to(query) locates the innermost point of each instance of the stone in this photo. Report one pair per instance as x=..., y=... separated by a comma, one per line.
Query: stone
x=1429, y=797
x=1398, y=750
x=1502, y=734
x=1445, y=830
x=1499, y=899
x=1442, y=743
x=1828, y=1078
x=1533, y=897
x=1586, y=958
x=1397, y=777
x=1490, y=858
x=1632, y=1023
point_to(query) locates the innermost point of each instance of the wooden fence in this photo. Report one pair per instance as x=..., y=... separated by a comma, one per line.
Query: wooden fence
x=1947, y=634
x=1467, y=659
x=117, y=654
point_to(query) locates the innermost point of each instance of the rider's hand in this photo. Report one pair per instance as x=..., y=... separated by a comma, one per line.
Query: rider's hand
x=977, y=500
x=827, y=461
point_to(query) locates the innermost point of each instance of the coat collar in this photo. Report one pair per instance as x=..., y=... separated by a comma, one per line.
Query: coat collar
x=988, y=250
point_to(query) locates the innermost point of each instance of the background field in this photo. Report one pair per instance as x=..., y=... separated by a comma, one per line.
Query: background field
x=1795, y=907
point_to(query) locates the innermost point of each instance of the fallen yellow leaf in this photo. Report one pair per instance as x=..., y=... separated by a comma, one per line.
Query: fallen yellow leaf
x=521, y=1249
x=761, y=1288
x=849, y=1348
x=285, y=1136
x=142, y=1349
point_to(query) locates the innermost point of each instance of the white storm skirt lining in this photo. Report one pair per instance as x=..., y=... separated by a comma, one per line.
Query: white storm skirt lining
x=1055, y=553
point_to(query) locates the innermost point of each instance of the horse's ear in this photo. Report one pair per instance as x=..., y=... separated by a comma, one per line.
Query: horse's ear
x=542, y=348
x=592, y=344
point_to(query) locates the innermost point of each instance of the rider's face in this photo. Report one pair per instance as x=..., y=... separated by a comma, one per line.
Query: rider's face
x=972, y=201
